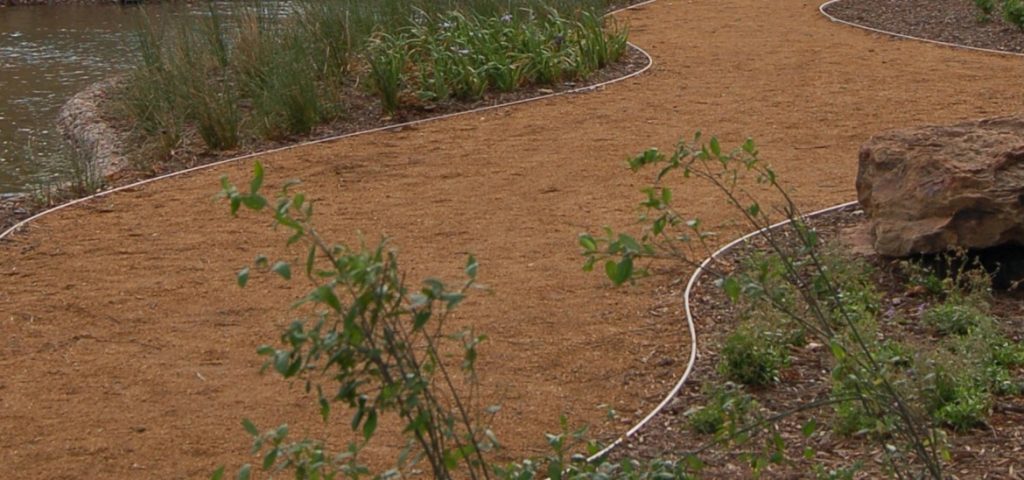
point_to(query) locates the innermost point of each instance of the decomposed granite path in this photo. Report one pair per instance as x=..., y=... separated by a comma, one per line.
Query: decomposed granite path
x=126, y=350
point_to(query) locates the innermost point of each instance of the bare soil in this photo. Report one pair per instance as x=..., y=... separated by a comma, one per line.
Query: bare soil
x=952, y=21
x=128, y=351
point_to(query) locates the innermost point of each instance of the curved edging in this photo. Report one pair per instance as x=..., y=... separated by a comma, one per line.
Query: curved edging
x=714, y=256
x=589, y=88
x=690, y=324
x=835, y=19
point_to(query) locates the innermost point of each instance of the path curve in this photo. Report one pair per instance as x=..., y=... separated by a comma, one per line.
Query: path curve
x=115, y=365
x=824, y=11
x=702, y=267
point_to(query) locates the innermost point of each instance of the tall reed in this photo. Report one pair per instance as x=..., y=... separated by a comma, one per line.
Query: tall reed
x=255, y=71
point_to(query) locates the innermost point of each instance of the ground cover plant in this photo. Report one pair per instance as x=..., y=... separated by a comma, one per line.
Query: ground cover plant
x=1012, y=11
x=902, y=384
x=258, y=73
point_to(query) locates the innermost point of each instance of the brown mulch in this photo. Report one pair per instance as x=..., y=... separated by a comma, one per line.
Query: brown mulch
x=126, y=350
x=996, y=451
x=951, y=21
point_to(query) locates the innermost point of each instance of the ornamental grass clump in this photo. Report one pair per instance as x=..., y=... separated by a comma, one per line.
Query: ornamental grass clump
x=271, y=72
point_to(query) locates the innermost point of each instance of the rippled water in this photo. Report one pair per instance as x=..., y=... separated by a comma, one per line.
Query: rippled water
x=49, y=53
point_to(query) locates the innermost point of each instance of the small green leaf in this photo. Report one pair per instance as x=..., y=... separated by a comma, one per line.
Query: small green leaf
x=254, y=202
x=370, y=426
x=837, y=350
x=218, y=474
x=588, y=243
x=257, y=177
x=732, y=289
x=250, y=427
x=282, y=362
x=325, y=408
x=245, y=472
x=261, y=261
x=809, y=428
x=612, y=270
x=270, y=458
x=242, y=277
x=620, y=272
x=325, y=294
x=471, y=267
x=749, y=147
x=420, y=318
x=283, y=269
x=310, y=259
x=716, y=148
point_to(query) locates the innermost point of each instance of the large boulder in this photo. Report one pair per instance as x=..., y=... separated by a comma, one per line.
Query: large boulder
x=936, y=188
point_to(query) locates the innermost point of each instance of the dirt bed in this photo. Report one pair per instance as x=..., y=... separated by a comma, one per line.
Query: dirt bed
x=952, y=21
x=129, y=353
x=991, y=451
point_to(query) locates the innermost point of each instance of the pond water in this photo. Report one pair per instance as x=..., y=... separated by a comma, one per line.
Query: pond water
x=50, y=53
x=47, y=54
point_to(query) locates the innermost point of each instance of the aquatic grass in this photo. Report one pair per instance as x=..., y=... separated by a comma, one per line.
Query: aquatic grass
x=465, y=56
x=251, y=71
x=387, y=59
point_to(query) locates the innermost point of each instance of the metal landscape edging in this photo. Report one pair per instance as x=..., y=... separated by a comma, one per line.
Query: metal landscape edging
x=835, y=19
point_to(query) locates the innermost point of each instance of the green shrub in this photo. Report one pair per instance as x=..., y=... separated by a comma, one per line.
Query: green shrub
x=1013, y=12
x=986, y=6
x=963, y=405
x=387, y=59
x=707, y=420
x=860, y=400
x=751, y=357
x=725, y=407
x=217, y=117
x=952, y=318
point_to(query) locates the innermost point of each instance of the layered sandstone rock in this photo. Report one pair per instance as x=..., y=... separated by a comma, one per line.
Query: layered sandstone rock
x=936, y=188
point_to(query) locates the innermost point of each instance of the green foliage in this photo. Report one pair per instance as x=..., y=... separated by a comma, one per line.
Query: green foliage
x=365, y=340
x=707, y=420
x=1013, y=12
x=797, y=291
x=958, y=398
x=952, y=318
x=465, y=55
x=77, y=175
x=726, y=410
x=861, y=408
x=751, y=357
x=387, y=59
x=986, y=6
x=254, y=70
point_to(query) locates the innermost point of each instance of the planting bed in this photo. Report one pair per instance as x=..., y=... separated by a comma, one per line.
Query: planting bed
x=951, y=21
x=992, y=449
x=129, y=352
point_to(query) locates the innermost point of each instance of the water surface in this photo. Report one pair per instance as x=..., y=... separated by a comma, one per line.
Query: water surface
x=47, y=54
